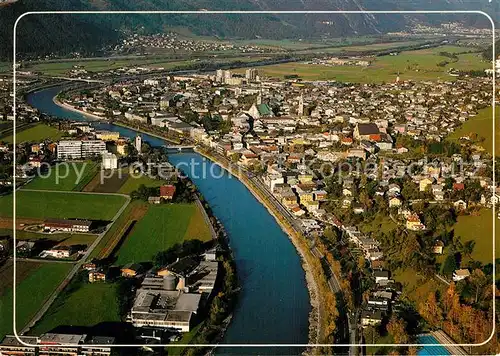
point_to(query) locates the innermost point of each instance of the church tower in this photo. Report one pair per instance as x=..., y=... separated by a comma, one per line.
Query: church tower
x=300, y=110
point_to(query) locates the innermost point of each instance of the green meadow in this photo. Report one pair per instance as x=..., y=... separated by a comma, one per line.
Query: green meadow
x=100, y=304
x=67, y=176
x=36, y=133
x=39, y=281
x=64, y=205
x=162, y=227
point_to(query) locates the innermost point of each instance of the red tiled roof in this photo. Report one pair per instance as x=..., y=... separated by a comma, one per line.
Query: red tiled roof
x=167, y=191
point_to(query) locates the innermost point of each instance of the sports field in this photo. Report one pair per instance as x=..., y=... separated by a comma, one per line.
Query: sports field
x=88, y=305
x=480, y=129
x=479, y=228
x=35, y=134
x=67, y=176
x=162, y=227
x=65, y=205
x=36, y=282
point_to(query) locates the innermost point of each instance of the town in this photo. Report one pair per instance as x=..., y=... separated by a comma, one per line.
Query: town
x=386, y=190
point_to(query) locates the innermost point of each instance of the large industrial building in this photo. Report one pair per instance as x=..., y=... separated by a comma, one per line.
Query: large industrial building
x=158, y=304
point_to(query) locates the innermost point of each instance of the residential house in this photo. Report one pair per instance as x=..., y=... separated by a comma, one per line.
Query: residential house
x=95, y=276
x=460, y=274
x=371, y=318
x=131, y=270
x=167, y=192
x=381, y=276
x=413, y=223
x=424, y=183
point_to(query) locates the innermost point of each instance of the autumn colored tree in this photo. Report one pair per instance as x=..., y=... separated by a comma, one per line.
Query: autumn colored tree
x=431, y=311
x=397, y=328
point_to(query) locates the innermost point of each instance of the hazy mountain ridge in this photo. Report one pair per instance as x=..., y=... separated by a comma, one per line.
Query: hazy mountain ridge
x=66, y=33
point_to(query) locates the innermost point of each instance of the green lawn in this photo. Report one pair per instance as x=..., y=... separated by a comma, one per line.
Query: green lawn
x=32, y=292
x=480, y=129
x=88, y=305
x=416, y=287
x=35, y=134
x=162, y=227
x=66, y=176
x=132, y=184
x=480, y=229
x=65, y=205
x=380, y=223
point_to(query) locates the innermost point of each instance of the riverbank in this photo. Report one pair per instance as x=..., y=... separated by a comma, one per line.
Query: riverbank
x=315, y=331
x=138, y=129
x=74, y=109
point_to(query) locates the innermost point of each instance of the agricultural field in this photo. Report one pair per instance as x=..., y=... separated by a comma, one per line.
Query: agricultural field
x=68, y=176
x=479, y=228
x=109, y=185
x=132, y=184
x=480, y=130
x=35, y=283
x=35, y=134
x=162, y=227
x=64, y=205
x=99, y=65
x=99, y=301
x=119, y=230
x=410, y=65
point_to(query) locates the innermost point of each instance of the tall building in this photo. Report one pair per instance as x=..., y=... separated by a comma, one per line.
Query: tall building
x=93, y=148
x=69, y=149
x=138, y=143
x=221, y=75
x=251, y=74
x=80, y=149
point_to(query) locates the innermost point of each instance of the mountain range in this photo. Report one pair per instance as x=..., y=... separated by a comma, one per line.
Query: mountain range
x=49, y=33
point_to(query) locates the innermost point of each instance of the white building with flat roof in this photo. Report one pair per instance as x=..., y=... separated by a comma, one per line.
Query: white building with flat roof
x=76, y=149
x=69, y=149
x=109, y=161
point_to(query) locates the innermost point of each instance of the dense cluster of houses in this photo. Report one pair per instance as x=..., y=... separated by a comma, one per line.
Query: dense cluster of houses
x=173, y=42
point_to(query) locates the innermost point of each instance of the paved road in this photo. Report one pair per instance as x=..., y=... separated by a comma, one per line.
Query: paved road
x=78, y=264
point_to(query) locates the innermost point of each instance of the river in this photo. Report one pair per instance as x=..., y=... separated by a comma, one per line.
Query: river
x=274, y=306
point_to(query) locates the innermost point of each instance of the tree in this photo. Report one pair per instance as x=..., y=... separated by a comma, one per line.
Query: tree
x=431, y=311
x=480, y=284
x=449, y=265
x=397, y=328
